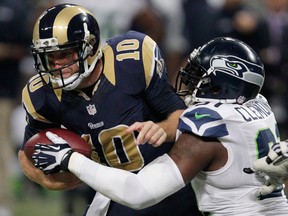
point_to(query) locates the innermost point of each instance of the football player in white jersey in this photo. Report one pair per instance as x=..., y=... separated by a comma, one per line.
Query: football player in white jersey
x=227, y=126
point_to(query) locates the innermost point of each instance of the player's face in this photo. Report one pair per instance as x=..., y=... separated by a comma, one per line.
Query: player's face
x=64, y=60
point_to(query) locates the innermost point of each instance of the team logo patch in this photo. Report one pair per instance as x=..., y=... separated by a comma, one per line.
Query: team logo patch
x=237, y=67
x=160, y=67
x=91, y=109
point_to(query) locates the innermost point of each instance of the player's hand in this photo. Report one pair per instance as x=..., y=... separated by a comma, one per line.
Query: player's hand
x=271, y=184
x=52, y=158
x=275, y=163
x=278, y=152
x=275, y=170
x=275, y=166
x=148, y=132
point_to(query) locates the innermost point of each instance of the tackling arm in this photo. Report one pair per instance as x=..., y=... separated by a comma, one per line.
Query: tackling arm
x=156, y=181
x=152, y=184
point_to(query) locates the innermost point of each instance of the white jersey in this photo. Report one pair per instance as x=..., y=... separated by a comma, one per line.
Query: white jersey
x=246, y=132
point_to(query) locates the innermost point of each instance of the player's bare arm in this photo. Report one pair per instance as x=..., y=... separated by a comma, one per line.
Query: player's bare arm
x=156, y=133
x=39, y=177
x=170, y=125
x=192, y=154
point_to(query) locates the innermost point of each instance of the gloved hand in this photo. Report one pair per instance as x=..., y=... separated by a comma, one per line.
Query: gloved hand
x=274, y=166
x=278, y=152
x=271, y=184
x=52, y=158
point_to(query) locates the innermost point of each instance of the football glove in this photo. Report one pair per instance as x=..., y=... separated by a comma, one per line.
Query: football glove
x=276, y=163
x=52, y=158
x=274, y=166
x=271, y=184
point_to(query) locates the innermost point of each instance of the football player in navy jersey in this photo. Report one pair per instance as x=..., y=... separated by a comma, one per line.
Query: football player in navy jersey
x=114, y=95
x=226, y=127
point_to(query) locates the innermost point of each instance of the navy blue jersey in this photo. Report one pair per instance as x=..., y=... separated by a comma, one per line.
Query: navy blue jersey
x=133, y=87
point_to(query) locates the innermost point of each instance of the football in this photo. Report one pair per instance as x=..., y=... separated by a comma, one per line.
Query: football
x=73, y=139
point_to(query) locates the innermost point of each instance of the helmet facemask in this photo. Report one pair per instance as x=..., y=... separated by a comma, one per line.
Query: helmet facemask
x=189, y=78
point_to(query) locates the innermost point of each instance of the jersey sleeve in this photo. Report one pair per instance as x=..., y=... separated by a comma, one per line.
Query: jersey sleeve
x=203, y=121
x=159, y=92
x=134, y=63
x=38, y=101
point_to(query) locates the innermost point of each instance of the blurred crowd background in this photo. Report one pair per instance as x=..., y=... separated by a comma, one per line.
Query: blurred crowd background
x=178, y=26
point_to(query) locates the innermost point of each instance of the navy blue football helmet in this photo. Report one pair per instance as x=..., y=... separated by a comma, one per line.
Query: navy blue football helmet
x=225, y=70
x=64, y=27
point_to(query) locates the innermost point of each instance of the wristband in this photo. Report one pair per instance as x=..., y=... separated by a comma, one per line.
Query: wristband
x=65, y=160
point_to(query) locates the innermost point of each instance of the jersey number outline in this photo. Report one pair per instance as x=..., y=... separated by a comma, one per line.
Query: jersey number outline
x=128, y=45
x=36, y=83
x=119, y=149
x=264, y=139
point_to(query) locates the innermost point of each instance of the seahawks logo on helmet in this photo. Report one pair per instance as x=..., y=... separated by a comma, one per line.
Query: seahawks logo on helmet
x=237, y=67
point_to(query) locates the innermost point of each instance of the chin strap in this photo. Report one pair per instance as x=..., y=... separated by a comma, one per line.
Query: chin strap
x=74, y=80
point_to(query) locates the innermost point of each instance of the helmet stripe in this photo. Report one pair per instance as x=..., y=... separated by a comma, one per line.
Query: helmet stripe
x=63, y=19
x=56, y=20
x=45, y=21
